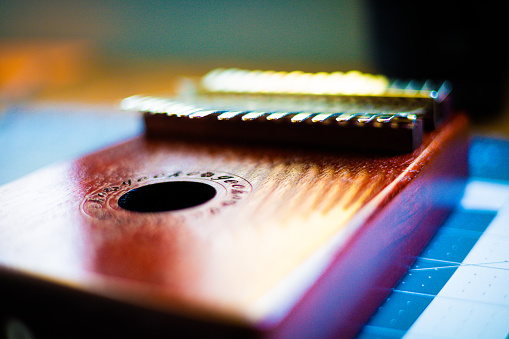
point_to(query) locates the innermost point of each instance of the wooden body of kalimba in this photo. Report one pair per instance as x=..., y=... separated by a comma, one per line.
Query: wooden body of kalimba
x=161, y=237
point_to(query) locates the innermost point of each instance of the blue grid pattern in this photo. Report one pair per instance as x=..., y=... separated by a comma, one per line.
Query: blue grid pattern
x=426, y=277
x=488, y=159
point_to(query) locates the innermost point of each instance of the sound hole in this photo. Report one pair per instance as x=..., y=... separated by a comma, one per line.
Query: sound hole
x=166, y=196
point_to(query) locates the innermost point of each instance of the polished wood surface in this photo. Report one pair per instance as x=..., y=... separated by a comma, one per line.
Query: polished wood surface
x=281, y=222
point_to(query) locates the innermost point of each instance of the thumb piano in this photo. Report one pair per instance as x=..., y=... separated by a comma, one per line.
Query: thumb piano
x=241, y=212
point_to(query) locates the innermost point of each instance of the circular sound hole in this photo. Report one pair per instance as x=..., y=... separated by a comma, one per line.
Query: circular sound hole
x=166, y=196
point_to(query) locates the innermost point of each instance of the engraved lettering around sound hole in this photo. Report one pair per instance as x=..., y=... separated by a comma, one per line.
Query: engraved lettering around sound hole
x=167, y=196
x=202, y=192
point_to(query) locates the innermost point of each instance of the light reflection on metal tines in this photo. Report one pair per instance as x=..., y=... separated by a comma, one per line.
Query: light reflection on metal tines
x=252, y=116
x=345, y=117
x=174, y=108
x=228, y=115
x=300, y=117
x=321, y=117
x=277, y=115
x=129, y=103
x=146, y=103
x=385, y=118
x=201, y=114
x=160, y=106
x=366, y=118
x=188, y=111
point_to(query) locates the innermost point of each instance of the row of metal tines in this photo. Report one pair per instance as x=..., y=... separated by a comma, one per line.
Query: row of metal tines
x=156, y=105
x=235, y=80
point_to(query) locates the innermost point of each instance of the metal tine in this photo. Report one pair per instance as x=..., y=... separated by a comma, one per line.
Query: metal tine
x=145, y=103
x=385, y=118
x=203, y=113
x=397, y=86
x=413, y=85
x=249, y=116
x=188, y=111
x=367, y=117
x=138, y=103
x=321, y=117
x=129, y=103
x=159, y=106
x=300, y=117
x=345, y=117
x=278, y=115
x=428, y=86
x=408, y=115
x=227, y=115
x=444, y=90
x=176, y=108
x=179, y=109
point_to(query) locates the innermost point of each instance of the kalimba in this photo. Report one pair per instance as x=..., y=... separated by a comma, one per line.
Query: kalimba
x=253, y=206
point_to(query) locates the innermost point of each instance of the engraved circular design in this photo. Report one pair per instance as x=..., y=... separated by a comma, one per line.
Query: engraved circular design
x=230, y=190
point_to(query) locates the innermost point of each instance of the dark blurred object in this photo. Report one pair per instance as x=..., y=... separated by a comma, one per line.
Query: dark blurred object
x=464, y=42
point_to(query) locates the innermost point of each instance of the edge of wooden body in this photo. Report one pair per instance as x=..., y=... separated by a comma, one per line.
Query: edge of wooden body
x=338, y=305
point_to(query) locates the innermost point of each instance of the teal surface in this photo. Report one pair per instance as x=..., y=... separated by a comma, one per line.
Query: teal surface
x=33, y=137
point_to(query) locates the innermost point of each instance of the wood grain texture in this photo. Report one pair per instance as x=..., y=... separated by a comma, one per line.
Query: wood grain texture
x=287, y=230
